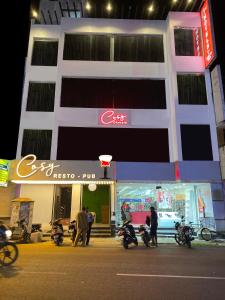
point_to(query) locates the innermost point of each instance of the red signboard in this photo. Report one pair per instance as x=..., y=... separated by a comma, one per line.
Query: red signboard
x=209, y=53
x=110, y=117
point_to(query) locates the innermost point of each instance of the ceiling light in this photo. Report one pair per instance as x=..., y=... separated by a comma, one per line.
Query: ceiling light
x=109, y=7
x=151, y=8
x=88, y=6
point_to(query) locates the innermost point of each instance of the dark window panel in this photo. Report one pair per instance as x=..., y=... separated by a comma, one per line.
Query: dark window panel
x=124, y=144
x=37, y=142
x=184, y=45
x=114, y=93
x=191, y=89
x=45, y=53
x=196, y=142
x=86, y=47
x=41, y=96
x=138, y=48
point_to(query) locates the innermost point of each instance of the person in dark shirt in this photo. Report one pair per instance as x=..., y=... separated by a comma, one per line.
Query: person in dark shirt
x=154, y=226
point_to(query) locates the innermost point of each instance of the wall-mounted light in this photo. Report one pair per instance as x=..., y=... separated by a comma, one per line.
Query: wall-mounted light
x=92, y=187
x=150, y=8
x=88, y=6
x=34, y=14
x=109, y=7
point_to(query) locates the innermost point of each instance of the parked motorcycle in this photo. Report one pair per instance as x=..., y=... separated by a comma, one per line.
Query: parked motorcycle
x=21, y=232
x=57, y=232
x=145, y=235
x=184, y=235
x=128, y=233
x=8, y=250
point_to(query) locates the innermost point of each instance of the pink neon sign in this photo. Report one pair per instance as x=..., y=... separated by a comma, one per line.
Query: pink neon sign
x=110, y=117
x=209, y=53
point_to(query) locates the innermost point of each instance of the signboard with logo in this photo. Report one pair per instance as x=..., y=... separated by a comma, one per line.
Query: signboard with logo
x=31, y=169
x=113, y=117
x=4, y=172
x=208, y=45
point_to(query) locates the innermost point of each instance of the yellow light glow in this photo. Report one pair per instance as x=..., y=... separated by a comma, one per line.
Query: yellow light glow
x=34, y=14
x=62, y=182
x=189, y=1
x=88, y=6
x=174, y=1
x=151, y=8
x=109, y=7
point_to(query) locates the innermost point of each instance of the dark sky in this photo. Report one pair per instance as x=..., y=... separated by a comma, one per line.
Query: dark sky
x=14, y=46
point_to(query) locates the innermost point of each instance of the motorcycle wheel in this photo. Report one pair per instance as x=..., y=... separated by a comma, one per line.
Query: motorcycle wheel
x=8, y=253
x=125, y=245
x=178, y=240
x=206, y=234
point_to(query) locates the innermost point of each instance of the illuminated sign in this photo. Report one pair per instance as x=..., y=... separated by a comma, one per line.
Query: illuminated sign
x=111, y=117
x=4, y=172
x=197, y=42
x=209, y=53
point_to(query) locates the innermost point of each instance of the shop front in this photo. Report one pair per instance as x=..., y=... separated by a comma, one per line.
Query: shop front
x=60, y=189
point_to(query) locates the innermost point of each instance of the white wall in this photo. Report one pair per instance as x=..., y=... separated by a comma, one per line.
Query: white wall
x=170, y=118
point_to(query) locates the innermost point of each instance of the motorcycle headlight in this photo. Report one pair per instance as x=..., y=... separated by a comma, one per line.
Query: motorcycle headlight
x=8, y=234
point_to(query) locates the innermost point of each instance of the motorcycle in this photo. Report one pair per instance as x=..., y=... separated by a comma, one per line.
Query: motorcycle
x=21, y=232
x=128, y=234
x=184, y=233
x=57, y=232
x=8, y=250
x=145, y=235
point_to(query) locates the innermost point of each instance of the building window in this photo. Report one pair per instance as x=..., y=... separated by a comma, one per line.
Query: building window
x=37, y=142
x=41, y=96
x=191, y=89
x=116, y=93
x=196, y=142
x=188, y=42
x=44, y=53
x=139, y=48
x=86, y=47
x=124, y=144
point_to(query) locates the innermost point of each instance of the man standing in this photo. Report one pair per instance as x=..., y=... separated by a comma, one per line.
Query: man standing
x=154, y=226
x=82, y=227
x=90, y=219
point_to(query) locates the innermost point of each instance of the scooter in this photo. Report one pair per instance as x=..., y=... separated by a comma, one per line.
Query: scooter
x=57, y=232
x=128, y=233
x=145, y=235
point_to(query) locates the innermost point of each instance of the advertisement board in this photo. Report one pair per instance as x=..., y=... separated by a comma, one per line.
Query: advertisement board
x=4, y=172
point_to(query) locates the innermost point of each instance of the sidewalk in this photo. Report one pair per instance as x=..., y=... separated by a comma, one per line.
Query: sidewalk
x=116, y=242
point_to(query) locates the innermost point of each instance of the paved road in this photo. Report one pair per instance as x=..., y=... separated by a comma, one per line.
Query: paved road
x=107, y=271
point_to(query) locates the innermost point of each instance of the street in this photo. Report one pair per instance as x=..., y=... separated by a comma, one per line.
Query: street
x=105, y=270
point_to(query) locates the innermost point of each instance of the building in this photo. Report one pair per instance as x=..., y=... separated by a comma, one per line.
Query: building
x=137, y=89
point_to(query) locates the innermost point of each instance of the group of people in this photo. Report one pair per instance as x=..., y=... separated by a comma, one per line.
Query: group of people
x=83, y=224
x=151, y=220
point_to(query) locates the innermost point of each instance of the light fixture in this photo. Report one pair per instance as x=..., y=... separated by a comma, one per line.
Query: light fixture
x=34, y=14
x=88, y=6
x=174, y=1
x=92, y=187
x=109, y=7
x=151, y=8
x=105, y=163
x=189, y=1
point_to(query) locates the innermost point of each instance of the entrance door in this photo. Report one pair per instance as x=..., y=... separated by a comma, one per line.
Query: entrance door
x=98, y=202
x=62, y=205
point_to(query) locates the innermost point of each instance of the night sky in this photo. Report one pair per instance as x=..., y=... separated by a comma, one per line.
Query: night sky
x=14, y=46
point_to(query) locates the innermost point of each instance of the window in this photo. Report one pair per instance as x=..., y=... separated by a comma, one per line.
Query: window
x=41, y=96
x=44, y=53
x=37, y=142
x=86, y=47
x=191, y=89
x=115, y=93
x=196, y=142
x=139, y=48
x=188, y=42
x=124, y=144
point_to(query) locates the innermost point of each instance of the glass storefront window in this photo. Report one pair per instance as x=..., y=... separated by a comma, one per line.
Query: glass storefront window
x=171, y=200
